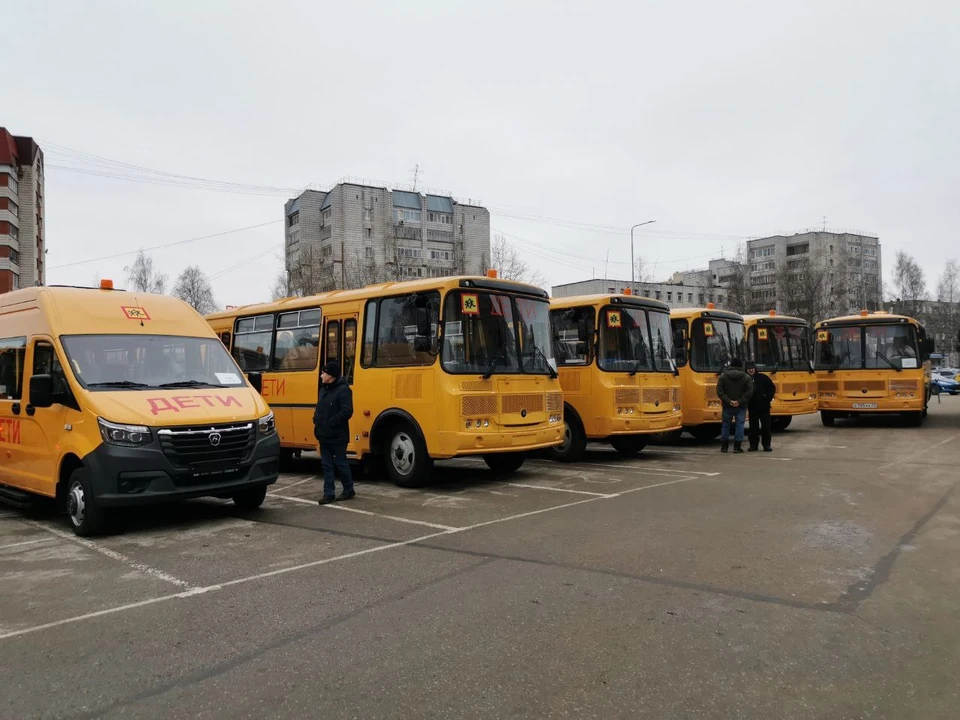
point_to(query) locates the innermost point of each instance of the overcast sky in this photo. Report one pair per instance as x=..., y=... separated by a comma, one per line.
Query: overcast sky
x=721, y=120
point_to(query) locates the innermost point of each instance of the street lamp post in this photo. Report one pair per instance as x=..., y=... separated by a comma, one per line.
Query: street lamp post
x=633, y=270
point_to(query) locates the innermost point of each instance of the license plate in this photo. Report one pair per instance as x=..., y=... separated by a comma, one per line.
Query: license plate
x=864, y=406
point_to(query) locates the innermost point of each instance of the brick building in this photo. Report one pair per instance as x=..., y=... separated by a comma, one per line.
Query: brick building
x=21, y=213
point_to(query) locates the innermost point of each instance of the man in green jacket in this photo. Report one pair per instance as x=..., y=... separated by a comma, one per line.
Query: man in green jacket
x=734, y=388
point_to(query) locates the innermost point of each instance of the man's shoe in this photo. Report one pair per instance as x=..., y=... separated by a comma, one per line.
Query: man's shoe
x=752, y=448
x=724, y=446
x=768, y=449
x=736, y=447
x=347, y=495
x=326, y=500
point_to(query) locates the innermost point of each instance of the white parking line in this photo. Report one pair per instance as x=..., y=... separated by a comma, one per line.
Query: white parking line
x=334, y=506
x=325, y=561
x=287, y=487
x=25, y=542
x=557, y=489
x=634, y=468
x=113, y=555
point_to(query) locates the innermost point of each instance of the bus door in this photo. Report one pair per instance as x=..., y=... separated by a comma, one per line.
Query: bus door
x=340, y=346
x=41, y=426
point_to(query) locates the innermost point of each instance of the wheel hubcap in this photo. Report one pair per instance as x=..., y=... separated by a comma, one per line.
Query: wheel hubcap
x=567, y=438
x=76, y=504
x=402, y=453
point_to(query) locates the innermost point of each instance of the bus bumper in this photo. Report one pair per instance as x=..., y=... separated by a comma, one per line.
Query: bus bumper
x=793, y=407
x=483, y=442
x=700, y=416
x=649, y=424
x=872, y=405
x=141, y=476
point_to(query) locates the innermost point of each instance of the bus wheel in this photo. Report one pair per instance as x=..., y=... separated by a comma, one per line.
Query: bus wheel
x=286, y=459
x=86, y=514
x=408, y=464
x=827, y=418
x=779, y=424
x=912, y=419
x=574, y=442
x=504, y=462
x=250, y=499
x=706, y=433
x=628, y=446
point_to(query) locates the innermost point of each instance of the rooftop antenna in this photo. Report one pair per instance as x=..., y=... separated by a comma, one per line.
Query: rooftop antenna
x=605, y=264
x=416, y=174
x=824, y=223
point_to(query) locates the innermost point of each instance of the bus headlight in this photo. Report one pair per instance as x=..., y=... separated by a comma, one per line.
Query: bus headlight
x=267, y=424
x=124, y=435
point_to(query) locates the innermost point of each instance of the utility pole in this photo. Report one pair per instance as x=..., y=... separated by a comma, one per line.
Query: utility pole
x=633, y=270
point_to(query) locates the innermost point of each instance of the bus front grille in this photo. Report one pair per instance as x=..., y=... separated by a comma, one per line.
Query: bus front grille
x=554, y=402
x=653, y=396
x=626, y=396
x=510, y=404
x=208, y=449
x=473, y=405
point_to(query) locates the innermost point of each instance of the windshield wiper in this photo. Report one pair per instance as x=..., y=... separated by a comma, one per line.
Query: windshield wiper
x=117, y=383
x=637, y=367
x=889, y=362
x=187, y=383
x=537, y=350
x=496, y=361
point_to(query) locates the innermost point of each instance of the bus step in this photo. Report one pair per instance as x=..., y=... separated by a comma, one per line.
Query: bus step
x=17, y=498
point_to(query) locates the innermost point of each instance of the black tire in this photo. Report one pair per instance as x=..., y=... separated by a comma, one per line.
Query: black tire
x=250, y=499
x=86, y=515
x=781, y=423
x=912, y=419
x=705, y=433
x=574, y=441
x=827, y=418
x=286, y=459
x=628, y=446
x=508, y=462
x=405, y=456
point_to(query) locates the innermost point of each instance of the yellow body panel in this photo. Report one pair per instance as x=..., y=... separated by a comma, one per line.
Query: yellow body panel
x=796, y=389
x=513, y=409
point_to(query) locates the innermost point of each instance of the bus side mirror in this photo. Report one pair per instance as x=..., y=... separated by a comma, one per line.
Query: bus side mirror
x=425, y=343
x=41, y=391
x=423, y=322
x=927, y=347
x=256, y=381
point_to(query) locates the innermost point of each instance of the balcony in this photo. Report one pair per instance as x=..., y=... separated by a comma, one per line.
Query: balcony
x=439, y=235
x=326, y=232
x=407, y=232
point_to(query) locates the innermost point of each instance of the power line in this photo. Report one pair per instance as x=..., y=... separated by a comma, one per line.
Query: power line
x=164, y=245
x=245, y=262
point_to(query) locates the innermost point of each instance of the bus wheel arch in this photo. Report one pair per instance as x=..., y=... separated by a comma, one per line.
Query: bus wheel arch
x=68, y=465
x=397, y=438
x=574, y=438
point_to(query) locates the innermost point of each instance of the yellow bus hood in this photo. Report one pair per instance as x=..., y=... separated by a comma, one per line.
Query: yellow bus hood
x=156, y=408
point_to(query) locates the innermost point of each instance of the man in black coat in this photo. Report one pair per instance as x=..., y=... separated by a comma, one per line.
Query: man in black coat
x=763, y=392
x=331, y=427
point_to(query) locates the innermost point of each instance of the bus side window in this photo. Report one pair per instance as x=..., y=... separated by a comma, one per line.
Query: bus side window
x=225, y=339
x=568, y=327
x=253, y=343
x=397, y=329
x=331, y=348
x=12, y=352
x=46, y=362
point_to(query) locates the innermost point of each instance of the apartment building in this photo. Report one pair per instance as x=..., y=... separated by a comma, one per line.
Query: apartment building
x=844, y=266
x=22, y=245
x=674, y=294
x=355, y=234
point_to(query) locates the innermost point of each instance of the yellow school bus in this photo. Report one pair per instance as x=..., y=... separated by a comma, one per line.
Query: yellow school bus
x=615, y=358
x=706, y=339
x=872, y=363
x=780, y=346
x=439, y=368
x=110, y=399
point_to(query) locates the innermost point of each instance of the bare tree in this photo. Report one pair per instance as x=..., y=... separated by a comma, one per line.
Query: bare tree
x=948, y=289
x=307, y=273
x=142, y=276
x=193, y=287
x=506, y=260
x=811, y=290
x=908, y=283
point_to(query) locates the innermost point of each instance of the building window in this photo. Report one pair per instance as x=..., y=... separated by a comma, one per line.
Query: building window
x=8, y=180
x=441, y=218
x=409, y=253
x=690, y=297
x=368, y=214
x=15, y=282
x=369, y=233
x=11, y=206
x=14, y=257
x=404, y=215
x=325, y=216
x=798, y=249
x=669, y=297
x=368, y=253
x=659, y=295
x=293, y=219
x=441, y=255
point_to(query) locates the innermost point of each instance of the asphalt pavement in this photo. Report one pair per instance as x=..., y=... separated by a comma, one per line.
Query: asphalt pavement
x=817, y=581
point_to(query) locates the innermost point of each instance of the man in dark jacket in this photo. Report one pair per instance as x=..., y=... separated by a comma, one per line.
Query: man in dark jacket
x=763, y=393
x=332, y=429
x=734, y=389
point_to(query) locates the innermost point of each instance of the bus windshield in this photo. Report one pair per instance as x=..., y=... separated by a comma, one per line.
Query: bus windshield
x=872, y=347
x=714, y=343
x=635, y=340
x=486, y=332
x=779, y=347
x=137, y=362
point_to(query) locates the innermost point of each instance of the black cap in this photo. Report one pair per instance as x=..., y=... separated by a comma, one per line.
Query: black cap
x=750, y=365
x=332, y=369
x=736, y=362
